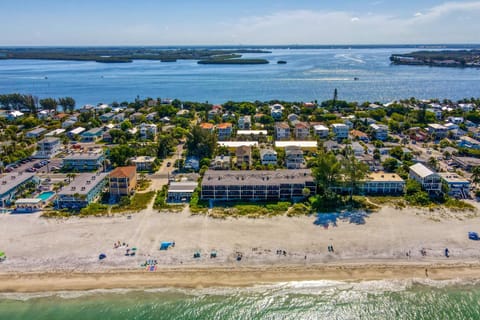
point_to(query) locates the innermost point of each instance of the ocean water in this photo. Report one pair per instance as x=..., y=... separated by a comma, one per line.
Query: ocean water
x=295, y=300
x=310, y=74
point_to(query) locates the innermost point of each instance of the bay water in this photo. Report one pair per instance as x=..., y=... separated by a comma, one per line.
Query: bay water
x=310, y=74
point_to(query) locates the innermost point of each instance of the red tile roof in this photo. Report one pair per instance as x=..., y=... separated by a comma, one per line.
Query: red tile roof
x=124, y=172
x=206, y=126
x=224, y=125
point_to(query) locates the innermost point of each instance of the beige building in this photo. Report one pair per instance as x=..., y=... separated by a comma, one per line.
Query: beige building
x=123, y=181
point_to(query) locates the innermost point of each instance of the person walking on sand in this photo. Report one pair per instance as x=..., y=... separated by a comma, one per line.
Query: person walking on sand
x=426, y=272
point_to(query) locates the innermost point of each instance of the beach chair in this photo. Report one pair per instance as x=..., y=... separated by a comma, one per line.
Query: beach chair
x=473, y=236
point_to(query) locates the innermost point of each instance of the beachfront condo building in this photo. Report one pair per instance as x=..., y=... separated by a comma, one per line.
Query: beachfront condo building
x=11, y=183
x=376, y=183
x=122, y=181
x=458, y=186
x=430, y=180
x=82, y=190
x=86, y=161
x=48, y=148
x=257, y=185
x=181, y=192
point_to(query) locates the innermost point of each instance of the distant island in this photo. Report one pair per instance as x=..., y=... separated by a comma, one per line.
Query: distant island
x=233, y=61
x=126, y=55
x=445, y=58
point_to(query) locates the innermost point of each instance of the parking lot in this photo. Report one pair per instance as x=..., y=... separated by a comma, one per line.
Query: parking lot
x=27, y=166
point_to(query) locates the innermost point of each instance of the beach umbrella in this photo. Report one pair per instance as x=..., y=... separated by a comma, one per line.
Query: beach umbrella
x=102, y=256
x=134, y=249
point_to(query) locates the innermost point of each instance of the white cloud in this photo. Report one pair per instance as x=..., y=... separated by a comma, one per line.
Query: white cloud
x=439, y=24
x=450, y=22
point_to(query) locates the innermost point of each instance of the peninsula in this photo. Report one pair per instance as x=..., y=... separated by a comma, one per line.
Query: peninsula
x=124, y=55
x=444, y=58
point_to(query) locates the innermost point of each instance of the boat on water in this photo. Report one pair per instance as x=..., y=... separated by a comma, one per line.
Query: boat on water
x=281, y=62
x=356, y=78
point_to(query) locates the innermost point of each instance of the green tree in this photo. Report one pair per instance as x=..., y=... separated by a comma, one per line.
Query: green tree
x=201, y=143
x=166, y=145
x=476, y=175
x=49, y=104
x=126, y=125
x=396, y=152
x=412, y=187
x=390, y=164
x=354, y=171
x=120, y=154
x=433, y=163
x=326, y=170
x=67, y=103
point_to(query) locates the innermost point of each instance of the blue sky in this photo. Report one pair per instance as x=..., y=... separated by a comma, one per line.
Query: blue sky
x=194, y=22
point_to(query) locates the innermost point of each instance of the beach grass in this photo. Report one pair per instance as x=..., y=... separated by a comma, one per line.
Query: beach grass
x=137, y=202
x=253, y=210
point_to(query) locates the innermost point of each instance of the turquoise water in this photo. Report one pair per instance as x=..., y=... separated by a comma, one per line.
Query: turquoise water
x=297, y=300
x=45, y=195
x=310, y=74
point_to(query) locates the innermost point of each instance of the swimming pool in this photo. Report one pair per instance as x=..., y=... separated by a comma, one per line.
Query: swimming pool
x=45, y=195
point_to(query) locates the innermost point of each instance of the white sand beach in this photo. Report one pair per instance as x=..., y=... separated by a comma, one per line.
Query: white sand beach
x=36, y=245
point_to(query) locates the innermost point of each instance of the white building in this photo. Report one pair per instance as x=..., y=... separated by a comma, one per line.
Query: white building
x=282, y=131
x=457, y=186
x=148, y=130
x=340, y=130
x=321, y=131
x=294, y=157
x=430, y=180
x=245, y=122
x=268, y=156
x=437, y=130
x=380, y=131
x=48, y=148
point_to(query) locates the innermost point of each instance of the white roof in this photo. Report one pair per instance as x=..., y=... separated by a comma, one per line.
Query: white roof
x=77, y=130
x=55, y=132
x=339, y=125
x=28, y=201
x=236, y=144
x=16, y=113
x=301, y=144
x=254, y=132
x=319, y=127
x=421, y=170
x=453, y=178
x=436, y=126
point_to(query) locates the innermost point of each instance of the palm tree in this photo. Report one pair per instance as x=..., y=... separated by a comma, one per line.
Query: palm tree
x=70, y=176
x=433, y=163
x=476, y=175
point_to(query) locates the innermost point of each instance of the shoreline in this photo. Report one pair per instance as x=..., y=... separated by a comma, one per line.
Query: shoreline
x=208, y=277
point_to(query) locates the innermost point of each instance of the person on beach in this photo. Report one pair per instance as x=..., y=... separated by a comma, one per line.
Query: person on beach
x=426, y=272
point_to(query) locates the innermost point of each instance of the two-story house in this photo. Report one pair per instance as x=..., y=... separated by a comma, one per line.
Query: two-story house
x=282, y=131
